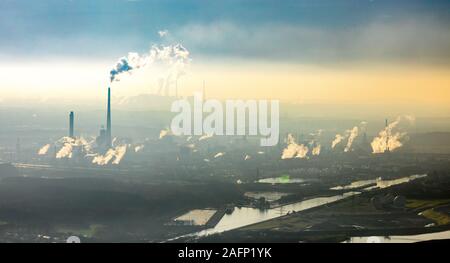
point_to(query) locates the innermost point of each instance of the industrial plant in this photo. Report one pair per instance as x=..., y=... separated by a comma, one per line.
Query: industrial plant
x=323, y=121
x=367, y=175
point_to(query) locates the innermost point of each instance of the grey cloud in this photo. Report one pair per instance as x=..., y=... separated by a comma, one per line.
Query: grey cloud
x=407, y=39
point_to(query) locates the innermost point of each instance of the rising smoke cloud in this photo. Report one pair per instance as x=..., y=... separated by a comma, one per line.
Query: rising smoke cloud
x=205, y=136
x=316, y=150
x=219, y=155
x=163, y=133
x=349, y=135
x=392, y=137
x=44, y=149
x=174, y=58
x=116, y=154
x=68, y=145
x=353, y=133
x=87, y=149
x=314, y=144
x=294, y=150
x=139, y=148
x=338, y=139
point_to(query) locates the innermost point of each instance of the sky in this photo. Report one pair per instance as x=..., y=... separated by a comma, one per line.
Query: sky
x=376, y=52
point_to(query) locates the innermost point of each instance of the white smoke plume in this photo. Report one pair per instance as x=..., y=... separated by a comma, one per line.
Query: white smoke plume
x=314, y=145
x=69, y=143
x=114, y=154
x=391, y=137
x=219, y=155
x=44, y=149
x=86, y=149
x=316, y=150
x=353, y=133
x=338, y=139
x=120, y=152
x=139, y=148
x=174, y=58
x=350, y=136
x=294, y=150
x=204, y=137
x=65, y=151
x=164, y=133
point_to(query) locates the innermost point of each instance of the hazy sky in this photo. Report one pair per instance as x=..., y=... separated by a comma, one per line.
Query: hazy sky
x=335, y=51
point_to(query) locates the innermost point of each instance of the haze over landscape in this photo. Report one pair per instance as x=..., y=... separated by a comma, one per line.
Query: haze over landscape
x=88, y=149
x=375, y=54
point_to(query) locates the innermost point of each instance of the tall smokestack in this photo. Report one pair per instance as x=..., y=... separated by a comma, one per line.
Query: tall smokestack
x=108, y=120
x=71, y=124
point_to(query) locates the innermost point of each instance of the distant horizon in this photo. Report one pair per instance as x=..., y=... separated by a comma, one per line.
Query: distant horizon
x=393, y=55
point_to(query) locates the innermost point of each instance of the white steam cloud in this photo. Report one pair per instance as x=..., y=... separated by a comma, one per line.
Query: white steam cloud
x=68, y=145
x=338, y=139
x=204, y=137
x=175, y=58
x=219, y=155
x=139, y=148
x=44, y=149
x=314, y=144
x=316, y=150
x=294, y=150
x=164, y=133
x=353, y=133
x=391, y=137
x=87, y=149
x=349, y=135
x=114, y=154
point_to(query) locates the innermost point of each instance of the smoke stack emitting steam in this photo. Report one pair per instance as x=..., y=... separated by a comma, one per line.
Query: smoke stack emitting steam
x=390, y=138
x=349, y=135
x=174, y=60
x=294, y=150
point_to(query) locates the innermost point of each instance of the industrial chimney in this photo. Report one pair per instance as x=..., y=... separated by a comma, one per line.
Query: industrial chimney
x=71, y=124
x=108, y=120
